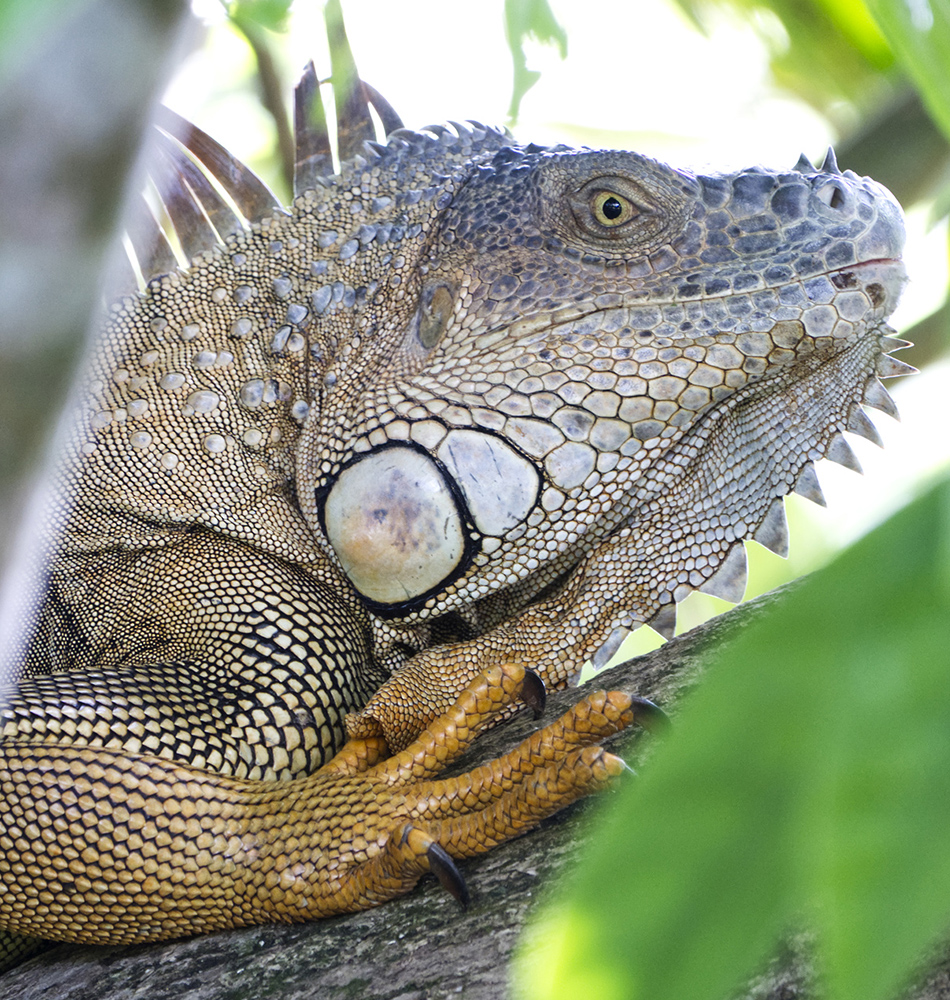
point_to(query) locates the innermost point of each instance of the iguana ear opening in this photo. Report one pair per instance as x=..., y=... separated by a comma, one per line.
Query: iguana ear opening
x=436, y=307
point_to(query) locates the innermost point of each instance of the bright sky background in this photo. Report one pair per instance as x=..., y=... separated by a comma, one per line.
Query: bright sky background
x=638, y=76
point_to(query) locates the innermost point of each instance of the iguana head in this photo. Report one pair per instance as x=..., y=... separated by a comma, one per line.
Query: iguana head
x=576, y=320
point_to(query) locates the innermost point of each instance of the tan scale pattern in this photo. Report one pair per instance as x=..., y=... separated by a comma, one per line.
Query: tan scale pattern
x=232, y=678
x=614, y=371
x=145, y=849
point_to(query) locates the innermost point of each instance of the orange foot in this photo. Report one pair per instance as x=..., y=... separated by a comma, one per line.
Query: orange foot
x=105, y=848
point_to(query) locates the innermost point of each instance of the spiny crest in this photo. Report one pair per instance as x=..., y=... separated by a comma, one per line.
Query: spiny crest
x=729, y=580
x=199, y=193
x=414, y=160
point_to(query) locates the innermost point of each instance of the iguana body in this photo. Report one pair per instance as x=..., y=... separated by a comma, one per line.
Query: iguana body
x=467, y=407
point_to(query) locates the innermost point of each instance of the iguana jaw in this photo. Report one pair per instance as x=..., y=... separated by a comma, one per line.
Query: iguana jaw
x=721, y=284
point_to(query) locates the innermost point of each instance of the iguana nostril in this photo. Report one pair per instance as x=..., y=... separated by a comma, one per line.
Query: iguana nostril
x=832, y=195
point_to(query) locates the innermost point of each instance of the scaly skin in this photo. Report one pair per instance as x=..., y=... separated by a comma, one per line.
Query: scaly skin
x=468, y=407
x=178, y=850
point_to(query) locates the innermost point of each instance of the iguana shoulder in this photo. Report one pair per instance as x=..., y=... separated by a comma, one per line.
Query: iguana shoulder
x=194, y=401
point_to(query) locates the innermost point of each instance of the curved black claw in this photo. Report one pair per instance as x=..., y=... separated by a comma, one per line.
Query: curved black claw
x=533, y=693
x=443, y=867
x=650, y=716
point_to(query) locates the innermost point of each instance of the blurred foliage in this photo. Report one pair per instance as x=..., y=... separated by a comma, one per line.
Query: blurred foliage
x=271, y=14
x=23, y=23
x=254, y=20
x=529, y=19
x=920, y=36
x=77, y=79
x=824, y=51
x=853, y=61
x=808, y=780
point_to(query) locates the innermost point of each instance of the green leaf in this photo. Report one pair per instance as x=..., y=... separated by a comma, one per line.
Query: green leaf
x=808, y=778
x=271, y=14
x=919, y=33
x=853, y=19
x=824, y=51
x=529, y=19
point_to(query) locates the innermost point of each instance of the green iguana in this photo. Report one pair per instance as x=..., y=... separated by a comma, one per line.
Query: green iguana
x=468, y=408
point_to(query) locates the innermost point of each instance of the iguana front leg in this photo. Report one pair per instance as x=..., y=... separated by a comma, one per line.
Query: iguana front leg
x=106, y=847
x=130, y=810
x=203, y=651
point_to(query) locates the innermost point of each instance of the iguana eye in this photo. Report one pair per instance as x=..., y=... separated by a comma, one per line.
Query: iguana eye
x=615, y=209
x=611, y=209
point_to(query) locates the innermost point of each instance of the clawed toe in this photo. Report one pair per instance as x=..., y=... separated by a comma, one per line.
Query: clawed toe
x=443, y=867
x=466, y=815
x=650, y=716
x=533, y=693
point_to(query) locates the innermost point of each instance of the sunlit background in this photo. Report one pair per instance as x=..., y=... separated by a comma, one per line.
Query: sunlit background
x=638, y=75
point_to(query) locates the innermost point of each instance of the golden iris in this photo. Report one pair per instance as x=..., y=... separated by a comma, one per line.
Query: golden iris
x=611, y=209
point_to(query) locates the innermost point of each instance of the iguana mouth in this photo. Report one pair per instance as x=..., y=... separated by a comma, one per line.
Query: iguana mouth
x=530, y=329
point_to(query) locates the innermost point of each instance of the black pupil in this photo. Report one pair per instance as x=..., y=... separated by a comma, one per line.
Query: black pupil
x=611, y=208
